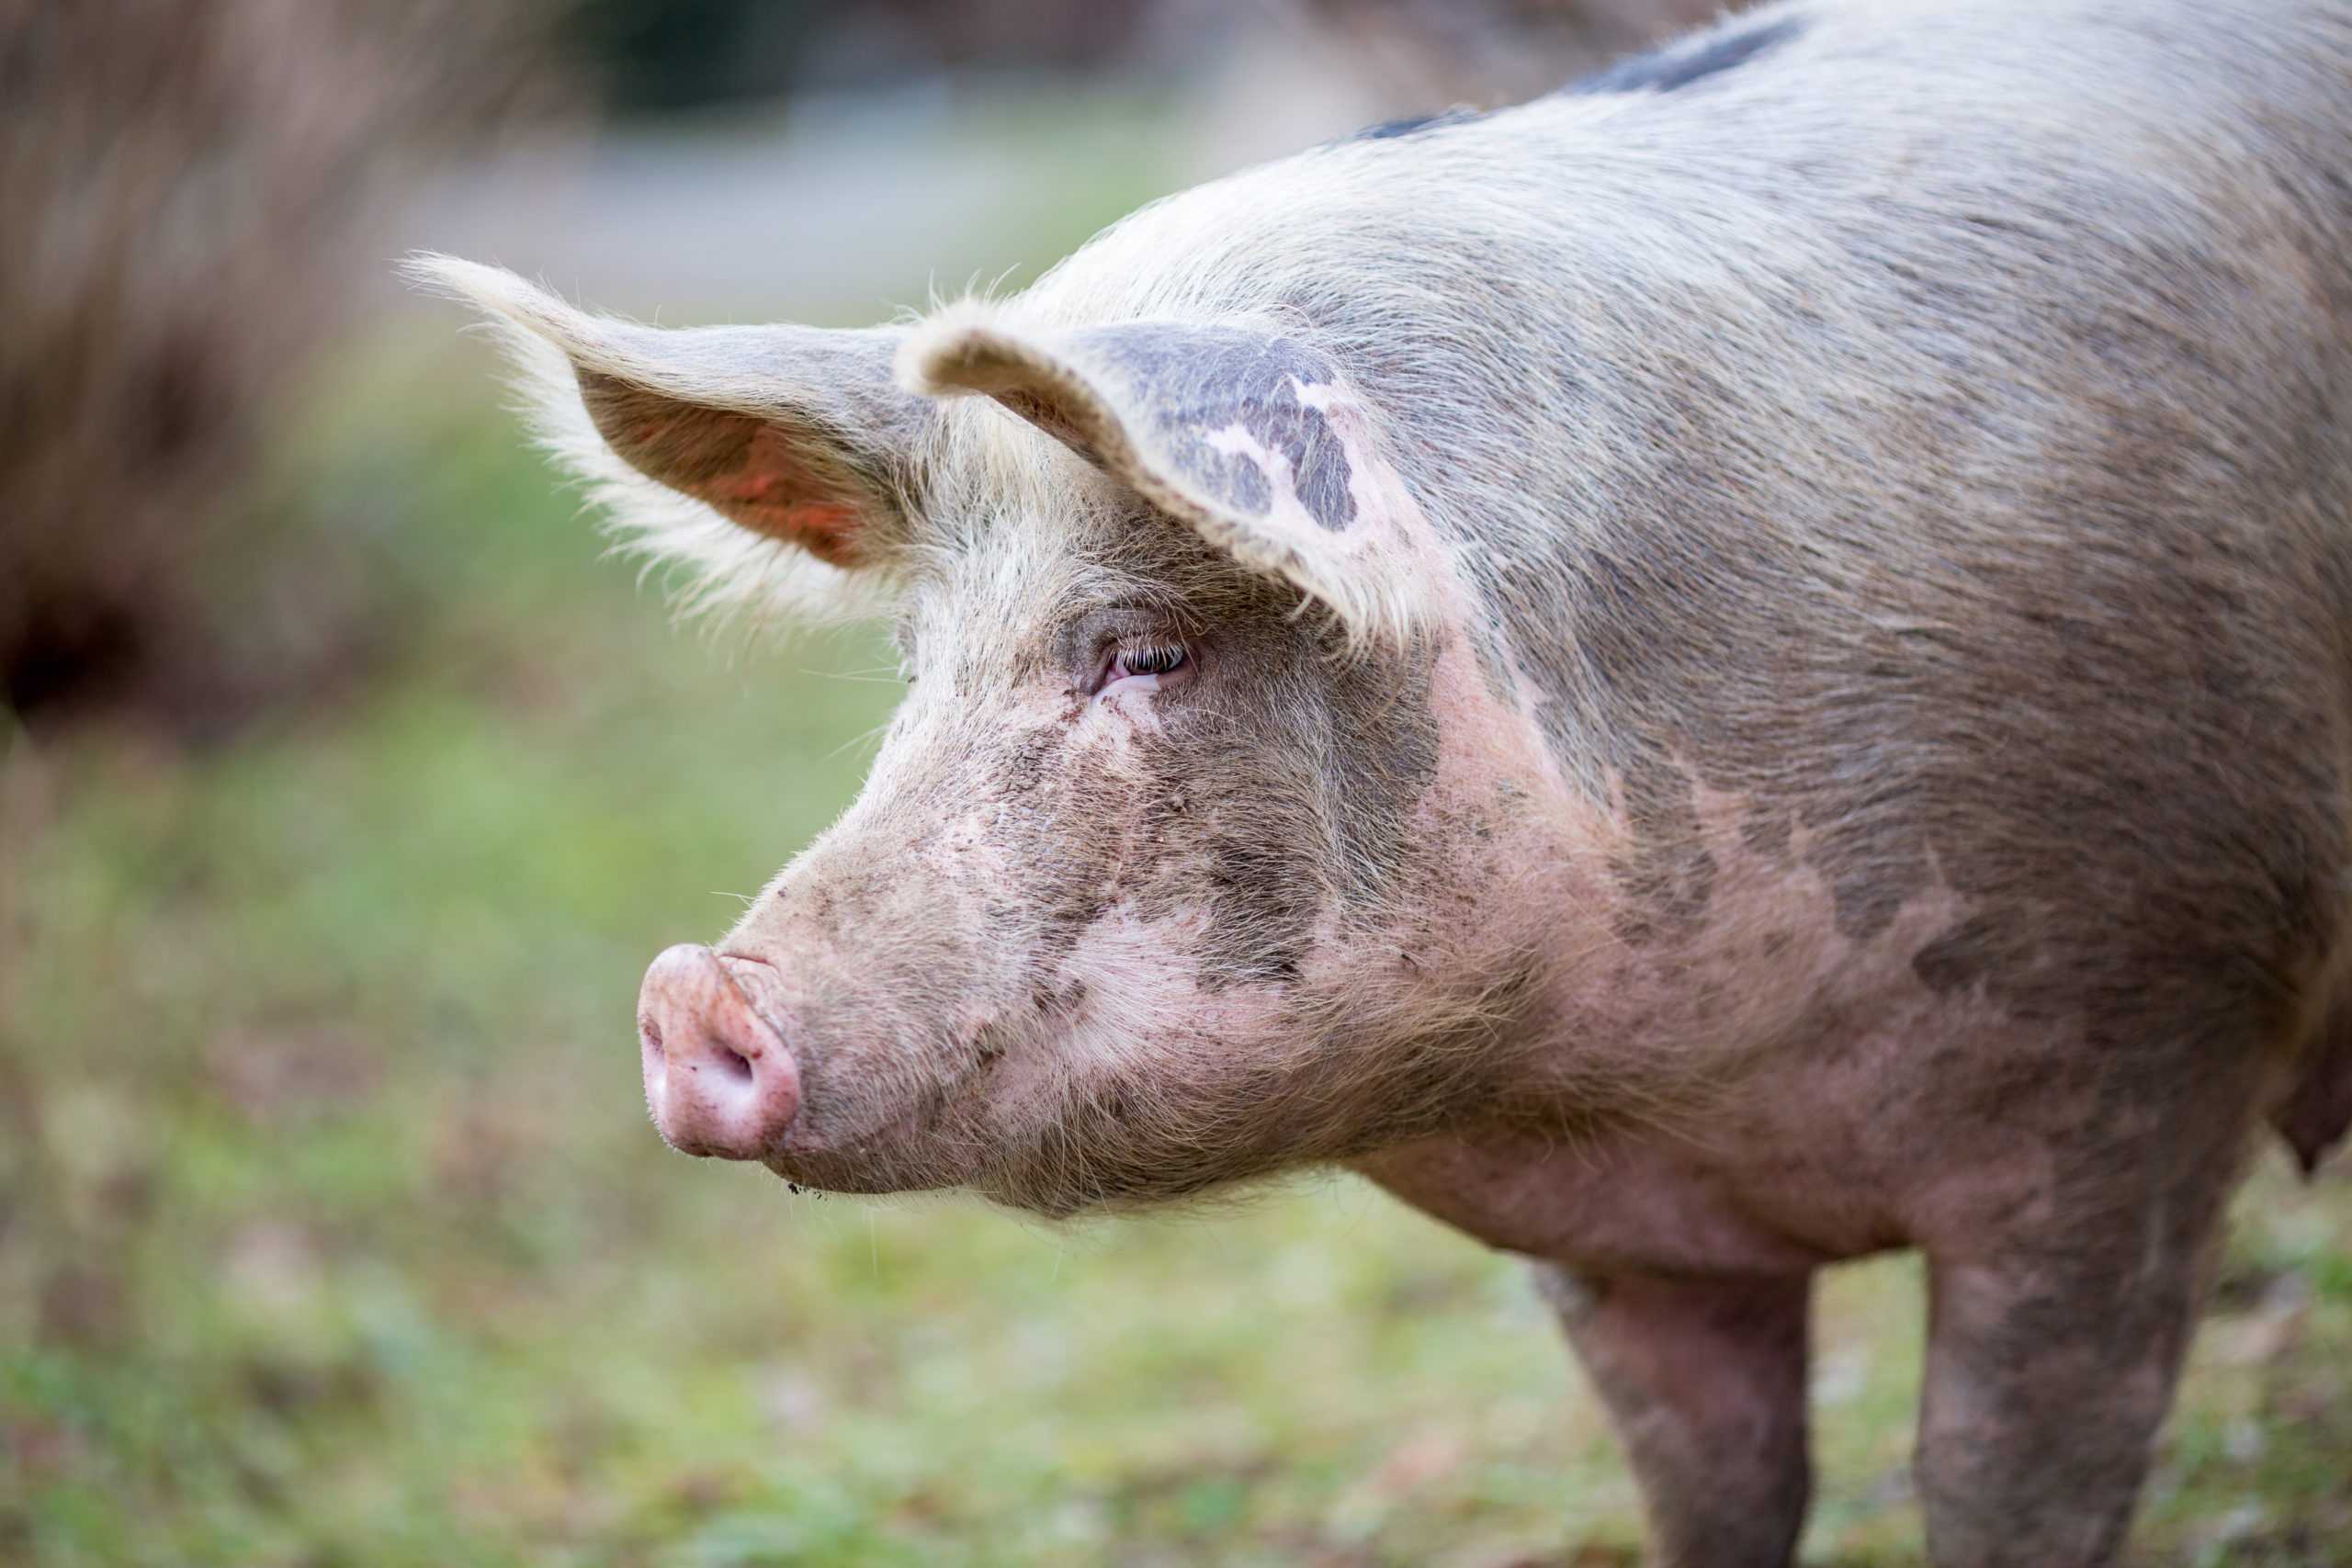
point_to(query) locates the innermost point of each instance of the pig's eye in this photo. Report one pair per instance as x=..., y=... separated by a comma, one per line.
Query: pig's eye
x=1151, y=658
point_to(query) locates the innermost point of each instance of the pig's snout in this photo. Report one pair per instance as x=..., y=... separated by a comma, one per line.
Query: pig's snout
x=718, y=1077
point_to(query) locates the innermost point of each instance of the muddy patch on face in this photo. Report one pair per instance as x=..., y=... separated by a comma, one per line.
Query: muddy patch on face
x=1383, y=758
x=1059, y=815
x=1283, y=785
x=1236, y=833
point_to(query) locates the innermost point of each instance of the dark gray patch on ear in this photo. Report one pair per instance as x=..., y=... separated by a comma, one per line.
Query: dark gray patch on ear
x=1177, y=386
x=1680, y=64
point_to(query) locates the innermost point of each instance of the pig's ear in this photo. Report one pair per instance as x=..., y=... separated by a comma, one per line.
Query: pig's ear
x=795, y=435
x=1251, y=434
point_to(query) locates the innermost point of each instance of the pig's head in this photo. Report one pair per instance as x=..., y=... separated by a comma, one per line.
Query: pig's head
x=1189, y=854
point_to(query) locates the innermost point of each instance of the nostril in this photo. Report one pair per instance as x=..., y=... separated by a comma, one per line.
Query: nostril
x=649, y=1032
x=734, y=1063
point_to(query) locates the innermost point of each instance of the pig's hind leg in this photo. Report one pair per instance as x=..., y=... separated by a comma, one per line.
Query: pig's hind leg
x=2050, y=1364
x=1705, y=1383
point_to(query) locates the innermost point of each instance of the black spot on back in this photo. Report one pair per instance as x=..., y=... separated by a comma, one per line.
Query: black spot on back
x=1389, y=130
x=1680, y=64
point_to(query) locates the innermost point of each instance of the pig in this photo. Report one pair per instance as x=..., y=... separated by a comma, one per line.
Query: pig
x=1740, y=666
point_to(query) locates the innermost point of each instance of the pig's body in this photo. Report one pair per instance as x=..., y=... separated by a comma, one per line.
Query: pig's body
x=1760, y=675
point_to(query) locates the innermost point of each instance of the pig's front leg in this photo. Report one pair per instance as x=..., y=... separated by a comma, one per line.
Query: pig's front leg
x=2049, y=1368
x=1705, y=1382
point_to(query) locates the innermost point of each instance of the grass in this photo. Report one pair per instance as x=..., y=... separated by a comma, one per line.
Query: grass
x=332, y=1231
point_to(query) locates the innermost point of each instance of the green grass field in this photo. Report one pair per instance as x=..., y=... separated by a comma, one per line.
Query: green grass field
x=333, y=1231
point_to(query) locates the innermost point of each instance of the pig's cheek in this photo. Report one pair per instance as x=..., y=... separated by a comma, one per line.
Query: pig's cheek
x=1382, y=978
x=973, y=861
x=1025, y=1090
x=1122, y=710
x=1140, y=979
x=1137, y=975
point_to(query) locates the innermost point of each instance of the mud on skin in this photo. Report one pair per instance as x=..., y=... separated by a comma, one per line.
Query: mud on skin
x=1730, y=670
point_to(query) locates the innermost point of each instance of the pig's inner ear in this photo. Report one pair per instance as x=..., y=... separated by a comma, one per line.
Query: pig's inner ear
x=800, y=434
x=1251, y=436
x=774, y=475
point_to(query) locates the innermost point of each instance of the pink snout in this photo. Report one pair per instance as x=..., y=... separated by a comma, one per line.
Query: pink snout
x=718, y=1077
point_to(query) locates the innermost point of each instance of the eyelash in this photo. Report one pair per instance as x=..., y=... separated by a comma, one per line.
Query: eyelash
x=1155, y=659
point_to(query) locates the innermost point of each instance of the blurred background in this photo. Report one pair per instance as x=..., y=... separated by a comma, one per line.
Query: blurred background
x=346, y=786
